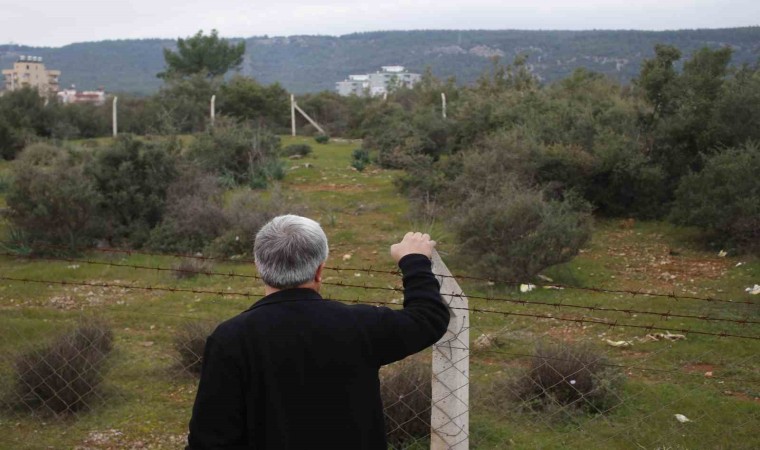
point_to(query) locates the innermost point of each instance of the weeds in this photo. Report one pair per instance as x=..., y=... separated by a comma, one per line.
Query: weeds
x=191, y=267
x=190, y=343
x=64, y=377
x=406, y=392
x=576, y=376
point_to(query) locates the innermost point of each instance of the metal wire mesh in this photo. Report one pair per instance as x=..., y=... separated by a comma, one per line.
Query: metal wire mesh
x=531, y=374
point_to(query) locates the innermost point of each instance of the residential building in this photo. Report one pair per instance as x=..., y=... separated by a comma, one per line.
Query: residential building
x=354, y=85
x=378, y=83
x=71, y=95
x=29, y=71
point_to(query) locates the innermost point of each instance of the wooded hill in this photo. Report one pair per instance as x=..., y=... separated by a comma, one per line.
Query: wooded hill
x=314, y=63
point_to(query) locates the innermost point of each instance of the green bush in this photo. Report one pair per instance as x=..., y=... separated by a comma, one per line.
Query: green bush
x=246, y=213
x=514, y=233
x=322, y=138
x=132, y=178
x=51, y=202
x=360, y=159
x=247, y=156
x=5, y=182
x=724, y=198
x=194, y=214
x=24, y=118
x=506, y=228
x=64, y=377
x=296, y=149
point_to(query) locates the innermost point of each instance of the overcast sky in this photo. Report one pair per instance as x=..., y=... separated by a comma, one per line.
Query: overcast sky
x=57, y=22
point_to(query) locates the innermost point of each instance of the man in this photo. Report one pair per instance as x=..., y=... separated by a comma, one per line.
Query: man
x=295, y=371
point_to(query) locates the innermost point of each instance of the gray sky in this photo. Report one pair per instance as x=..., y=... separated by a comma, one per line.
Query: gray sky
x=64, y=22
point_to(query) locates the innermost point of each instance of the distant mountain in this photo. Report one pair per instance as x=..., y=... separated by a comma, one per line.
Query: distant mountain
x=314, y=63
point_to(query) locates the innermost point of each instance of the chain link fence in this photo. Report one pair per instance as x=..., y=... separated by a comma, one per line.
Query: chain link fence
x=113, y=362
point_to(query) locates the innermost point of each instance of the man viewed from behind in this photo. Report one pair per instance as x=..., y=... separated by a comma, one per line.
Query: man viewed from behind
x=295, y=371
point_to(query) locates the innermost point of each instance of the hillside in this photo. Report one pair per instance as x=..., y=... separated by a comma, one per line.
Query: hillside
x=147, y=394
x=314, y=63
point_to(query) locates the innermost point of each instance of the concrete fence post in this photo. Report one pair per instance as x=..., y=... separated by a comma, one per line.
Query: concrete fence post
x=450, y=408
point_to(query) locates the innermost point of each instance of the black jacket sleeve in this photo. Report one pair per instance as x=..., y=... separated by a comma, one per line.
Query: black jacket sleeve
x=421, y=323
x=218, y=420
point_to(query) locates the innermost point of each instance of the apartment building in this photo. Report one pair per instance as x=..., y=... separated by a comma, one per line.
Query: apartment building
x=29, y=71
x=378, y=83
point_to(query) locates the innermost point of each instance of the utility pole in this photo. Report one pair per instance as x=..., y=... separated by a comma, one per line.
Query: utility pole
x=293, y=114
x=115, y=117
x=213, y=109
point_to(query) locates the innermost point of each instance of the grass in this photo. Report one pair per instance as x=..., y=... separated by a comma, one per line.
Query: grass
x=362, y=215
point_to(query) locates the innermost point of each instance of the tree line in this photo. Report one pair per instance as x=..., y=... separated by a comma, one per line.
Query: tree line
x=517, y=168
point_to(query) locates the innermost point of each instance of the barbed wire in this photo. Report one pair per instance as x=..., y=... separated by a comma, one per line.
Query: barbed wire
x=665, y=315
x=619, y=366
x=634, y=293
x=581, y=320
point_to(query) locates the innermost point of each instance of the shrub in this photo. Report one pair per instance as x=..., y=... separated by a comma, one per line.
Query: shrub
x=247, y=156
x=297, y=149
x=65, y=376
x=322, y=138
x=360, y=159
x=191, y=268
x=5, y=182
x=50, y=200
x=246, y=213
x=514, y=233
x=405, y=389
x=724, y=198
x=194, y=216
x=190, y=343
x=568, y=375
x=132, y=178
x=23, y=119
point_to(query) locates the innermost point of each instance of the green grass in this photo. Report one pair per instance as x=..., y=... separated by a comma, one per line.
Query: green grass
x=147, y=400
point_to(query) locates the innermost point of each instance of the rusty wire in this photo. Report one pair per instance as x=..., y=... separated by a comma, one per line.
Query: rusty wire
x=671, y=295
x=664, y=315
x=579, y=320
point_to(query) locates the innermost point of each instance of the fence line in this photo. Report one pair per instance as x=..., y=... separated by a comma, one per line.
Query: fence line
x=581, y=320
x=448, y=398
x=634, y=293
x=629, y=311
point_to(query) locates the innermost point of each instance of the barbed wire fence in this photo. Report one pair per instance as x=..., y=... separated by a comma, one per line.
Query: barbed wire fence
x=555, y=371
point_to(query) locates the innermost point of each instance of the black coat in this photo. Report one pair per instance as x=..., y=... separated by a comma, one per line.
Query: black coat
x=295, y=371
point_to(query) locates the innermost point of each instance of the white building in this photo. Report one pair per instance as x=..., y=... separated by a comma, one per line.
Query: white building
x=71, y=95
x=378, y=83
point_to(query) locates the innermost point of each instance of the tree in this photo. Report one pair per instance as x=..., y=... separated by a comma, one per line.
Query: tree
x=244, y=98
x=23, y=116
x=658, y=78
x=209, y=56
x=51, y=201
x=724, y=198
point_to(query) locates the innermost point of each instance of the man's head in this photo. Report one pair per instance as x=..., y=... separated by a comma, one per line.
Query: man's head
x=289, y=250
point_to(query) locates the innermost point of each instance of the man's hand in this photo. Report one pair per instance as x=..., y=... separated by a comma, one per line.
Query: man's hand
x=413, y=243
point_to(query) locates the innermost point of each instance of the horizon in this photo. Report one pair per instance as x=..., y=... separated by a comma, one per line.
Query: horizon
x=268, y=36
x=61, y=24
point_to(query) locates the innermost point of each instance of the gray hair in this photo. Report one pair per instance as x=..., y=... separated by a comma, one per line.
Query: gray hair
x=288, y=251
